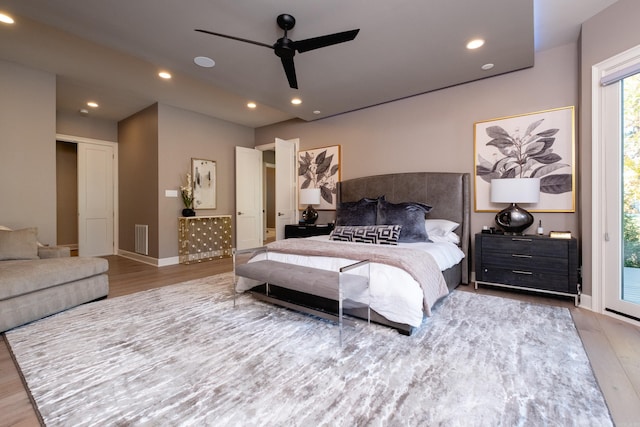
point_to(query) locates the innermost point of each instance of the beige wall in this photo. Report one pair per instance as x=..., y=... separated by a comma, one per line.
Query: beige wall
x=184, y=135
x=605, y=35
x=155, y=148
x=86, y=126
x=434, y=131
x=138, y=178
x=28, y=150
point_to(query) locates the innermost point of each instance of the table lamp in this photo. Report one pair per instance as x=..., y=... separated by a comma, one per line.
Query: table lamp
x=310, y=196
x=514, y=219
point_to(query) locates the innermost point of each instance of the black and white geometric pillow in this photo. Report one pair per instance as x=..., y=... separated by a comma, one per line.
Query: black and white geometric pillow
x=375, y=234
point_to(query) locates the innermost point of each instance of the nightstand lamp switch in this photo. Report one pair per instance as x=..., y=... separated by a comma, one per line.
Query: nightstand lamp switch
x=514, y=219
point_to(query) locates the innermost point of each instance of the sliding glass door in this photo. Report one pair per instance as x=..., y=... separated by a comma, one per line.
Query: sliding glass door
x=621, y=132
x=629, y=288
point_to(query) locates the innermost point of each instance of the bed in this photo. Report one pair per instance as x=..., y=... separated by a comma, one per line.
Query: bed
x=407, y=278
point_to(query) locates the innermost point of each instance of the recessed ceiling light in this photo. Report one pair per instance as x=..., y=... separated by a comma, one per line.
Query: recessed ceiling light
x=6, y=19
x=316, y=111
x=92, y=104
x=204, y=61
x=296, y=101
x=84, y=111
x=251, y=104
x=164, y=74
x=487, y=66
x=474, y=44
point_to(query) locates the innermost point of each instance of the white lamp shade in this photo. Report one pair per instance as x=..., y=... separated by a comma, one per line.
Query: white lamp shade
x=310, y=196
x=515, y=190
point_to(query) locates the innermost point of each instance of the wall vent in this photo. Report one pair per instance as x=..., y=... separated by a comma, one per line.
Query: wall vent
x=142, y=239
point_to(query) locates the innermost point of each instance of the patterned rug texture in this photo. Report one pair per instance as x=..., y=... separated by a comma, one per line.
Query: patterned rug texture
x=183, y=355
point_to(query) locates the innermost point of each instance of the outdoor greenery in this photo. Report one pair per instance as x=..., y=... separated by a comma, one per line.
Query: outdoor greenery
x=631, y=190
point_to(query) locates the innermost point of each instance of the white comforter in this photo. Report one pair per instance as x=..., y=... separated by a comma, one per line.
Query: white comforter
x=394, y=293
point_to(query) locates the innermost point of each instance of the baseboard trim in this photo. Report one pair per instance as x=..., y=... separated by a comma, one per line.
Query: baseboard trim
x=157, y=262
x=71, y=246
x=585, y=302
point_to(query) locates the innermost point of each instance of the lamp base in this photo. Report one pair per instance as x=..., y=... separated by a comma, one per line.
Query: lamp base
x=514, y=219
x=309, y=215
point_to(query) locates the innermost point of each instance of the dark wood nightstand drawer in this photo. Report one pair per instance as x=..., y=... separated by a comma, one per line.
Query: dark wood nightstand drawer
x=538, y=279
x=292, y=231
x=525, y=262
x=526, y=246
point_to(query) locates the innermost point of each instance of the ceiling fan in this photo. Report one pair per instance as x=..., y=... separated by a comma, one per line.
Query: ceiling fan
x=286, y=48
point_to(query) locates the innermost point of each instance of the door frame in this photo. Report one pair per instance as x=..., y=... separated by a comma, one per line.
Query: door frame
x=601, y=130
x=272, y=146
x=114, y=146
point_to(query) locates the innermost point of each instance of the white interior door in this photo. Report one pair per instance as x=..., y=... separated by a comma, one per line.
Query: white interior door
x=95, y=200
x=286, y=184
x=248, y=198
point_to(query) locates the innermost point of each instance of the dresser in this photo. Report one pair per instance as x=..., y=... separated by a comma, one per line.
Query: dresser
x=292, y=231
x=536, y=263
x=204, y=238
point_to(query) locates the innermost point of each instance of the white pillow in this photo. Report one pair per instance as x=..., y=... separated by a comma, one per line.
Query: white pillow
x=439, y=227
x=449, y=237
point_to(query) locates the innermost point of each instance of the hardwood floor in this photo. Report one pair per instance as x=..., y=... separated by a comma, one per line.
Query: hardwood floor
x=613, y=346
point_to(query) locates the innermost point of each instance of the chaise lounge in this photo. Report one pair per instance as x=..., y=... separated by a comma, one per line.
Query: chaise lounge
x=37, y=281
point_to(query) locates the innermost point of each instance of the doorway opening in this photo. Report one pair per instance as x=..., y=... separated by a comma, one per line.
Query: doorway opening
x=87, y=197
x=67, y=195
x=269, y=195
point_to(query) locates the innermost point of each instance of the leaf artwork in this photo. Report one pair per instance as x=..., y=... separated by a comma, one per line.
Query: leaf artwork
x=318, y=172
x=525, y=156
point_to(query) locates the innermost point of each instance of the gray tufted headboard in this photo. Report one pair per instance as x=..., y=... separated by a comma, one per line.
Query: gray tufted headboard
x=447, y=192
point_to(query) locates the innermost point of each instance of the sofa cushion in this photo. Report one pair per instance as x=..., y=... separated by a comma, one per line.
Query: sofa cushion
x=22, y=277
x=19, y=244
x=53, y=252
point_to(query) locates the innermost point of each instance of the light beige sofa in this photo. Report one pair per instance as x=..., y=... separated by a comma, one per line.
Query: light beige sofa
x=38, y=281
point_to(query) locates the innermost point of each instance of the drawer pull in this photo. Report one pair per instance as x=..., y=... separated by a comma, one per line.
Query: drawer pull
x=521, y=272
x=521, y=256
x=521, y=239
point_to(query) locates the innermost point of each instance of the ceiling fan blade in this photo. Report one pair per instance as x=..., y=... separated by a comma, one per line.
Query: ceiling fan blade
x=323, y=41
x=290, y=70
x=236, y=38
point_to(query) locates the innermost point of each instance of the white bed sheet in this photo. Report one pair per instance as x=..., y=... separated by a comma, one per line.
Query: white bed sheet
x=394, y=293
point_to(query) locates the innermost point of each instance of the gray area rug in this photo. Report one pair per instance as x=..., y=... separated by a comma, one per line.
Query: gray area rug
x=182, y=355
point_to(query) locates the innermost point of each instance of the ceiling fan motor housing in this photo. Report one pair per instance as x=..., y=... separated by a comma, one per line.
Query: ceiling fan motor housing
x=284, y=48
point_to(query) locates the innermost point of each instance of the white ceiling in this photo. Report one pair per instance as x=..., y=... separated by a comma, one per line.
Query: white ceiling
x=111, y=51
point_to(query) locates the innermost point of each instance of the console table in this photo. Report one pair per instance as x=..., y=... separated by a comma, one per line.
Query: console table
x=204, y=238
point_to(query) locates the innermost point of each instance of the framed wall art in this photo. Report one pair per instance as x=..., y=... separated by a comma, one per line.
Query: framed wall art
x=534, y=145
x=204, y=183
x=320, y=168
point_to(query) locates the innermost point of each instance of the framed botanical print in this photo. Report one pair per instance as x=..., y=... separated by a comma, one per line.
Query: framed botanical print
x=204, y=183
x=534, y=145
x=320, y=168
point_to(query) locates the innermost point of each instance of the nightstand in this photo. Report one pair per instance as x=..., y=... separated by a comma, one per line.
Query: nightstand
x=293, y=231
x=536, y=263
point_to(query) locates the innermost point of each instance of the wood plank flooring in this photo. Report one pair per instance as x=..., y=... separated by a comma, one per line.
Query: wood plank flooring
x=613, y=346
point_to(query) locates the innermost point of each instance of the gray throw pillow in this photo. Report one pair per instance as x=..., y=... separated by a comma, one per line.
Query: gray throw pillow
x=410, y=215
x=19, y=244
x=362, y=212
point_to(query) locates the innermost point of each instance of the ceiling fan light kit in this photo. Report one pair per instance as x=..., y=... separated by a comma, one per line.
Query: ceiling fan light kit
x=285, y=48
